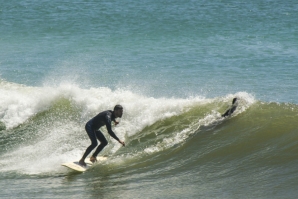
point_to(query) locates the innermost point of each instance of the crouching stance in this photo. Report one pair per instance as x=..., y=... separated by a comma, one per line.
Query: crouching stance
x=104, y=118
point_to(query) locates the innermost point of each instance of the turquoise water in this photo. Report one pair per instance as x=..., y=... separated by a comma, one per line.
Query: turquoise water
x=175, y=67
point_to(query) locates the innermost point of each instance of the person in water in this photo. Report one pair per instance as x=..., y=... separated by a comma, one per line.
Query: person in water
x=104, y=118
x=232, y=109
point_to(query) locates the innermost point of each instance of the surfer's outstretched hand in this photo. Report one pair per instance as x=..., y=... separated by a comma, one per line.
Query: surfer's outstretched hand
x=121, y=142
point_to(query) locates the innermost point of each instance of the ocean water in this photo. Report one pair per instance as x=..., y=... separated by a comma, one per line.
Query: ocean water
x=175, y=66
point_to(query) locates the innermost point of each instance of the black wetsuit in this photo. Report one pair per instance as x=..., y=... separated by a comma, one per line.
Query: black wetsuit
x=92, y=129
x=229, y=111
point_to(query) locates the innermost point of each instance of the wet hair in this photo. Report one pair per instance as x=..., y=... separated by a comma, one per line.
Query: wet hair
x=117, y=107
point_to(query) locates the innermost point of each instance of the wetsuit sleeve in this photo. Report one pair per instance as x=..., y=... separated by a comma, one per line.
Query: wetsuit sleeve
x=109, y=127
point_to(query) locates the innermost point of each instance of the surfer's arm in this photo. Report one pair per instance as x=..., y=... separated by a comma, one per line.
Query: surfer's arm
x=111, y=132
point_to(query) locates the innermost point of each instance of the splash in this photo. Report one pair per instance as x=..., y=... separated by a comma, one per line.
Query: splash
x=50, y=122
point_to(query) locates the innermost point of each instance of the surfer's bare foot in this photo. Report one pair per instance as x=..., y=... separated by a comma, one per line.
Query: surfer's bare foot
x=93, y=159
x=82, y=163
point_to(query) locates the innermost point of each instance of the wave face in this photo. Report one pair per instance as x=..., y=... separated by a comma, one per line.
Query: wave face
x=183, y=140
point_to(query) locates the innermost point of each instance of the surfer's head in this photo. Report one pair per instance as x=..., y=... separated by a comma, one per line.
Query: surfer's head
x=234, y=100
x=118, y=110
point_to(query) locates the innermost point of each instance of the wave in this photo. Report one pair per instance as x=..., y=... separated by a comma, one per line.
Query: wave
x=49, y=121
x=44, y=126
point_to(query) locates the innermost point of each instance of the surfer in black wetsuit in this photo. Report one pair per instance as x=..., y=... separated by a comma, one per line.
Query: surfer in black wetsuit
x=92, y=128
x=232, y=109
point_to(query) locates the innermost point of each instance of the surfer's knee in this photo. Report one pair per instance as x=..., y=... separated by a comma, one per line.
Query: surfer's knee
x=104, y=143
x=94, y=144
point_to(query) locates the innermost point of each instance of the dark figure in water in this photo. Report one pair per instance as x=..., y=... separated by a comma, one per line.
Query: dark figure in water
x=232, y=109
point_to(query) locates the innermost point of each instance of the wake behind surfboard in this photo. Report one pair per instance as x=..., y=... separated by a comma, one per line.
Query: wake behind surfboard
x=77, y=167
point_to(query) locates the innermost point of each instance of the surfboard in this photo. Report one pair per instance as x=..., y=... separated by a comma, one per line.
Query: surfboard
x=77, y=167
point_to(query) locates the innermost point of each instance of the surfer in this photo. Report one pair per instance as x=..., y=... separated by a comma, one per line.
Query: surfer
x=92, y=129
x=232, y=109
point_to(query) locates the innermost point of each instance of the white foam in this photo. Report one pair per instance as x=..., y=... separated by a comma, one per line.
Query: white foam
x=18, y=103
x=211, y=119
